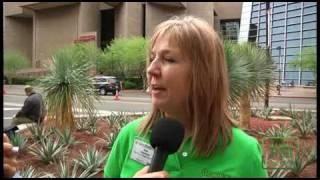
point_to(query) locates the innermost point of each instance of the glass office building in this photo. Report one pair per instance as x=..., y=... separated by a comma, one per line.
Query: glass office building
x=292, y=28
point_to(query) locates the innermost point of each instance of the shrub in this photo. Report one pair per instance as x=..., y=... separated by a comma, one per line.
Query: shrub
x=48, y=150
x=23, y=80
x=65, y=173
x=130, y=85
x=18, y=140
x=306, y=124
x=39, y=132
x=92, y=160
x=278, y=133
x=66, y=137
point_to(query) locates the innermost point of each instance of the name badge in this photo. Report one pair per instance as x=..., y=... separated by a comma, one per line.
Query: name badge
x=142, y=152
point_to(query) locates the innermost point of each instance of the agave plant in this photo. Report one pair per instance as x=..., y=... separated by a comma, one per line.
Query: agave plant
x=91, y=160
x=66, y=137
x=39, y=132
x=18, y=140
x=278, y=133
x=306, y=124
x=68, y=88
x=48, y=150
x=299, y=161
x=266, y=112
x=249, y=69
x=279, y=172
x=65, y=173
x=28, y=173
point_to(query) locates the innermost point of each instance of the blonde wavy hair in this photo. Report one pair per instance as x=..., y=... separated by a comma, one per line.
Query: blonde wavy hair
x=209, y=85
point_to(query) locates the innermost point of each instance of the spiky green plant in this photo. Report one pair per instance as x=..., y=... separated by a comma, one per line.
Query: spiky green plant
x=279, y=172
x=39, y=132
x=305, y=124
x=91, y=160
x=66, y=137
x=248, y=68
x=278, y=133
x=298, y=161
x=266, y=112
x=28, y=172
x=65, y=173
x=48, y=150
x=68, y=88
x=18, y=140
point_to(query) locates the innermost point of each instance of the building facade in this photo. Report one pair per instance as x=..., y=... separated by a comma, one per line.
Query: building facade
x=37, y=29
x=292, y=28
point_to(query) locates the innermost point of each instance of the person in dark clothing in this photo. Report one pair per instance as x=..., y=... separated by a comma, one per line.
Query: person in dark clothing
x=33, y=110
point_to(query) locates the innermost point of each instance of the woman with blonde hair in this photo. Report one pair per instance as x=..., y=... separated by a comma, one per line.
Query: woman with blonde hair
x=188, y=81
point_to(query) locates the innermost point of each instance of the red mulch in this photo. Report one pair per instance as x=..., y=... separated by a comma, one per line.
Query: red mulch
x=26, y=160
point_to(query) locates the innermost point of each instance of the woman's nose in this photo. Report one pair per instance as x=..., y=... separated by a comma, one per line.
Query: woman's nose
x=154, y=68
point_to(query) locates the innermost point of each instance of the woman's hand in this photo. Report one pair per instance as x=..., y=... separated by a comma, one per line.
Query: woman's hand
x=9, y=162
x=143, y=173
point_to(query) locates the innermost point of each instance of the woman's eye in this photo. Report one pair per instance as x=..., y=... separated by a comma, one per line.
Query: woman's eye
x=169, y=60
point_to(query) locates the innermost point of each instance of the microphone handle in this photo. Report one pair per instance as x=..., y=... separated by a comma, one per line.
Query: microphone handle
x=158, y=160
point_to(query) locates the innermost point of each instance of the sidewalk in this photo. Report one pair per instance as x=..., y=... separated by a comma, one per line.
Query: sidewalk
x=291, y=92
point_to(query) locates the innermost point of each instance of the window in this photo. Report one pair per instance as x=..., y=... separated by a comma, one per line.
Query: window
x=305, y=4
x=263, y=19
x=290, y=58
x=262, y=32
x=311, y=33
x=293, y=28
x=254, y=20
x=307, y=76
x=275, y=52
x=292, y=75
x=309, y=41
x=278, y=23
x=262, y=26
x=294, y=13
x=278, y=16
x=309, y=10
x=277, y=30
x=277, y=37
x=230, y=28
x=262, y=39
x=294, y=6
x=293, y=51
x=276, y=44
x=293, y=35
x=294, y=20
x=278, y=3
x=255, y=14
x=278, y=9
x=263, y=12
x=293, y=43
x=311, y=25
x=255, y=7
x=262, y=45
x=311, y=17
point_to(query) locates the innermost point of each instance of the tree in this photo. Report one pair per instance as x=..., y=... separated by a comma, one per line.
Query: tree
x=125, y=57
x=248, y=69
x=308, y=60
x=14, y=61
x=68, y=87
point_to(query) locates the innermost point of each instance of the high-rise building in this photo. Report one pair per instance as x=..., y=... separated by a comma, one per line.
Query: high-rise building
x=292, y=28
x=37, y=29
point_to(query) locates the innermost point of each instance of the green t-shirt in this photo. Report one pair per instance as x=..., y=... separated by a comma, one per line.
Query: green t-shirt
x=241, y=158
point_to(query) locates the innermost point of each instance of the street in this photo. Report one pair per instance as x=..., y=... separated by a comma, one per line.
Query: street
x=13, y=103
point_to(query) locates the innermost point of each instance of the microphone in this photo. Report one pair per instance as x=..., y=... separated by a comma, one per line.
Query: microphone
x=166, y=137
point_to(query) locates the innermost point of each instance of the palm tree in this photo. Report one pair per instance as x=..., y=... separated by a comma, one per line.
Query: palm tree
x=248, y=69
x=68, y=88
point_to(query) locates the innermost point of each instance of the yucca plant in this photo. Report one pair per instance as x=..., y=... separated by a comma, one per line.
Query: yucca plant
x=248, y=69
x=305, y=125
x=65, y=173
x=48, y=150
x=18, y=140
x=266, y=112
x=68, y=87
x=28, y=172
x=278, y=133
x=66, y=137
x=39, y=132
x=91, y=160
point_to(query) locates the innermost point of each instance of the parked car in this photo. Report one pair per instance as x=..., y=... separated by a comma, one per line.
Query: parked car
x=105, y=84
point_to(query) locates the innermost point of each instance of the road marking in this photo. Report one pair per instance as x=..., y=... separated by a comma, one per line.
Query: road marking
x=10, y=109
x=12, y=104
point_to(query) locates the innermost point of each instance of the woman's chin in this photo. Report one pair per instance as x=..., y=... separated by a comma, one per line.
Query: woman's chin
x=158, y=104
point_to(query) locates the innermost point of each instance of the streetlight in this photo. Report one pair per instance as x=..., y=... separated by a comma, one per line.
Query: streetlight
x=279, y=85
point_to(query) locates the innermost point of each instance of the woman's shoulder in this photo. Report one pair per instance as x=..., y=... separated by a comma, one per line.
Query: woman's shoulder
x=132, y=126
x=242, y=138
